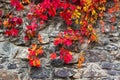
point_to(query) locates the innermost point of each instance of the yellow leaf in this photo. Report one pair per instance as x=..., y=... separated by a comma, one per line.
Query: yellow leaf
x=76, y=21
x=93, y=12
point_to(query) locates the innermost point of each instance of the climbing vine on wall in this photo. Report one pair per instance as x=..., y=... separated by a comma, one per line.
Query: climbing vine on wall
x=83, y=13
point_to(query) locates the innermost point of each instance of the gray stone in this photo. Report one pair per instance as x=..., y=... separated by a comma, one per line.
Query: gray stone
x=77, y=74
x=22, y=53
x=7, y=75
x=1, y=66
x=111, y=48
x=38, y=73
x=92, y=56
x=45, y=38
x=54, y=33
x=112, y=72
x=19, y=42
x=52, y=47
x=8, y=50
x=57, y=62
x=114, y=39
x=75, y=58
x=107, y=65
x=45, y=62
x=114, y=34
x=103, y=55
x=12, y=66
x=64, y=73
x=103, y=41
x=118, y=55
x=94, y=70
x=114, y=53
x=2, y=38
x=117, y=66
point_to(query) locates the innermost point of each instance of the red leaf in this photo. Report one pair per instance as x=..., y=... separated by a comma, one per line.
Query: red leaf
x=58, y=41
x=52, y=12
x=1, y=12
x=17, y=4
x=14, y=32
x=113, y=19
x=67, y=42
x=65, y=55
x=53, y=55
x=35, y=62
x=19, y=21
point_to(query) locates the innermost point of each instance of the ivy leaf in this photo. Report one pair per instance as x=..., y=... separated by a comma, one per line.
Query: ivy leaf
x=65, y=55
x=67, y=42
x=81, y=59
x=52, y=12
x=39, y=51
x=14, y=32
x=17, y=4
x=53, y=56
x=58, y=41
x=35, y=62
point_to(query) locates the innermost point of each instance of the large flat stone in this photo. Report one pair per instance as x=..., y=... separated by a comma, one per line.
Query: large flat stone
x=7, y=75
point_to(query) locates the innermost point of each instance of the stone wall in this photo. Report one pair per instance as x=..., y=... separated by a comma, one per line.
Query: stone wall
x=102, y=59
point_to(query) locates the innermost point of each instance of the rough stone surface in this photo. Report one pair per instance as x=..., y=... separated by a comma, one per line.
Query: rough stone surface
x=7, y=75
x=102, y=59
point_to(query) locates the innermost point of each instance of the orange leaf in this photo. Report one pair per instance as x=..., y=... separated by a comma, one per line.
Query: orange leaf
x=93, y=37
x=34, y=47
x=35, y=62
x=6, y=24
x=39, y=38
x=81, y=59
x=39, y=51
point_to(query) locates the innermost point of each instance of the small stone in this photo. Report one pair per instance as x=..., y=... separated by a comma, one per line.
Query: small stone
x=38, y=73
x=12, y=66
x=118, y=56
x=111, y=72
x=77, y=75
x=1, y=66
x=22, y=53
x=45, y=62
x=54, y=33
x=92, y=56
x=45, y=38
x=114, y=52
x=103, y=41
x=114, y=34
x=52, y=47
x=57, y=62
x=8, y=49
x=75, y=58
x=63, y=73
x=2, y=38
x=111, y=48
x=94, y=70
x=117, y=66
x=19, y=42
x=106, y=65
x=114, y=39
x=84, y=46
x=107, y=78
x=7, y=75
x=13, y=39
